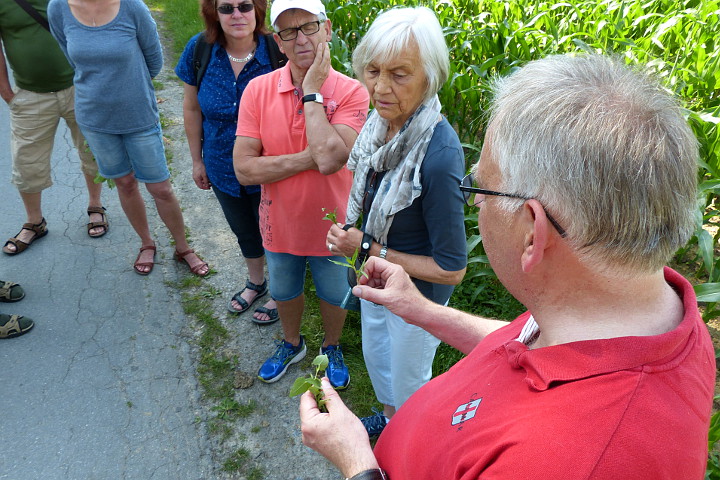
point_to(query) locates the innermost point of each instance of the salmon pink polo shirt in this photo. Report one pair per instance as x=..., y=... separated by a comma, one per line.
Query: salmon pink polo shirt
x=291, y=210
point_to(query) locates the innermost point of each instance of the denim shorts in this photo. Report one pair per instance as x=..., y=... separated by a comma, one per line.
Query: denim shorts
x=287, y=277
x=142, y=153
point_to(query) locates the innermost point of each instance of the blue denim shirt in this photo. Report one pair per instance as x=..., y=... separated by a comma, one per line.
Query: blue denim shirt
x=219, y=98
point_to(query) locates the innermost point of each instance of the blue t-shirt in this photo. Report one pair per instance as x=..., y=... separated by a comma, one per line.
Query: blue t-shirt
x=219, y=98
x=434, y=225
x=114, y=66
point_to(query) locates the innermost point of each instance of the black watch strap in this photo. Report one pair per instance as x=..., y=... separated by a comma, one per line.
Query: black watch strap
x=365, y=245
x=373, y=474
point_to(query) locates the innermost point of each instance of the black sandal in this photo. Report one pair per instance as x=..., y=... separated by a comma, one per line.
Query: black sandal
x=260, y=289
x=270, y=312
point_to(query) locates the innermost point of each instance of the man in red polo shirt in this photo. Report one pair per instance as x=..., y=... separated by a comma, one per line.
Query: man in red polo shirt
x=585, y=188
x=296, y=127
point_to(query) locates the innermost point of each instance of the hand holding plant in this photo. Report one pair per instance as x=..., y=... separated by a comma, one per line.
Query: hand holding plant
x=312, y=382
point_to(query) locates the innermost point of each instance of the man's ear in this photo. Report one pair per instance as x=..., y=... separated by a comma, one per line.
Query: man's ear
x=537, y=234
x=279, y=43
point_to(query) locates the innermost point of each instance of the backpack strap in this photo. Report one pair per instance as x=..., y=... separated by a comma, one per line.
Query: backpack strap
x=33, y=13
x=277, y=58
x=201, y=58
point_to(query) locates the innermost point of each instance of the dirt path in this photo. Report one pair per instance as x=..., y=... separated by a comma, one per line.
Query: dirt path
x=270, y=437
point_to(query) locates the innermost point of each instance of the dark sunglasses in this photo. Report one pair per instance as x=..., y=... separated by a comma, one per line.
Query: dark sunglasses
x=469, y=190
x=228, y=9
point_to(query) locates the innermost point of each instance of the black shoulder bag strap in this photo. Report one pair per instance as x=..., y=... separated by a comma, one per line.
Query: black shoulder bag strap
x=201, y=58
x=34, y=14
x=277, y=58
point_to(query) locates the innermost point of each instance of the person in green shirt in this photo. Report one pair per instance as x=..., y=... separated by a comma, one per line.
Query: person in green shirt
x=43, y=94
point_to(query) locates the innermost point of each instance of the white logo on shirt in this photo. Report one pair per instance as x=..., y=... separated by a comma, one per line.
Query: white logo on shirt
x=466, y=411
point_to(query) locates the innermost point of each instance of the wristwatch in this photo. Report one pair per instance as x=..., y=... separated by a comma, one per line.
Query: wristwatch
x=313, y=97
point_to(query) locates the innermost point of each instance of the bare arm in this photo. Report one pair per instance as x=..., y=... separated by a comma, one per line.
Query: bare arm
x=252, y=168
x=192, y=116
x=421, y=267
x=388, y=285
x=6, y=91
x=329, y=144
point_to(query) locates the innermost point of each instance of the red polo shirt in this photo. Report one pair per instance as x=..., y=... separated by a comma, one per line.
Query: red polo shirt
x=291, y=210
x=622, y=408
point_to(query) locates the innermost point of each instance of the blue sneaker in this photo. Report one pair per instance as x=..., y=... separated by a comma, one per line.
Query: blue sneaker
x=336, y=371
x=374, y=424
x=285, y=355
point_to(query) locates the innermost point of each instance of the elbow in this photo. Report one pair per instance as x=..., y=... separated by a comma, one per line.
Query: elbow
x=453, y=277
x=329, y=168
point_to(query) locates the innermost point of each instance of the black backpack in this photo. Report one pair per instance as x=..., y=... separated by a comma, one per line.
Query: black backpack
x=201, y=56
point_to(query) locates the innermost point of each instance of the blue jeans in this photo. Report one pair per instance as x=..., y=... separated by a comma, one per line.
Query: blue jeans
x=287, y=277
x=241, y=214
x=118, y=155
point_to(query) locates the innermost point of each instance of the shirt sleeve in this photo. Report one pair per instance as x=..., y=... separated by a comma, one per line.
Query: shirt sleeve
x=55, y=19
x=185, y=69
x=149, y=39
x=248, y=124
x=442, y=201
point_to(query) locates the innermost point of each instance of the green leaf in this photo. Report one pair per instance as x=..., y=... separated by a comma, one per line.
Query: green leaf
x=300, y=386
x=321, y=361
x=708, y=292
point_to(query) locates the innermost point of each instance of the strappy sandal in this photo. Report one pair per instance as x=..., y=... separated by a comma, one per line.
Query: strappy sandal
x=11, y=292
x=14, y=325
x=180, y=257
x=138, y=263
x=104, y=224
x=244, y=305
x=39, y=230
x=270, y=312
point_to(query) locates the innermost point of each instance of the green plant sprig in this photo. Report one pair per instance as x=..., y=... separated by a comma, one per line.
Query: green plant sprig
x=312, y=383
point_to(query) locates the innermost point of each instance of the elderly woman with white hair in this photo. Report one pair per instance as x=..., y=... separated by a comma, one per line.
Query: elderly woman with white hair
x=408, y=163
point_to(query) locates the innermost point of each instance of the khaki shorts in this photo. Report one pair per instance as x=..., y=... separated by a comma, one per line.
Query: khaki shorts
x=34, y=118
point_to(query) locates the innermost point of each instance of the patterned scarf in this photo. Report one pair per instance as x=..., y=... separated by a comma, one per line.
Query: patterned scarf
x=401, y=158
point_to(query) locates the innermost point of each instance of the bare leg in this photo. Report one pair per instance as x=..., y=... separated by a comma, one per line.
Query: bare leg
x=33, y=210
x=94, y=190
x=134, y=207
x=291, y=316
x=333, y=321
x=169, y=209
x=256, y=274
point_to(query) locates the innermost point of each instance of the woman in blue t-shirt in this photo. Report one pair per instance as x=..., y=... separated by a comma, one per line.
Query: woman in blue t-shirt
x=115, y=50
x=408, y=163
x=236, y=34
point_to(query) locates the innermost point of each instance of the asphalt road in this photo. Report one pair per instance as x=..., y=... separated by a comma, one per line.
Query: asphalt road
x=104, y=386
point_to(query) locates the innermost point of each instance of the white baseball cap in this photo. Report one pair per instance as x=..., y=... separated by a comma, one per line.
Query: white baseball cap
x=279, y=6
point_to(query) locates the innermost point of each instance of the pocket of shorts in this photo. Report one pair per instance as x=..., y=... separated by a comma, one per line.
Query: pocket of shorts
x=15, y=98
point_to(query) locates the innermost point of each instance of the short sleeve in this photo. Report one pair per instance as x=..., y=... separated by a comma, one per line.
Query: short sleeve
x=185, y=69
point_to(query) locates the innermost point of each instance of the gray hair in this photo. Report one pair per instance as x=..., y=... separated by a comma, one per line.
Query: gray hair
x=392, y=32
x=606, y=150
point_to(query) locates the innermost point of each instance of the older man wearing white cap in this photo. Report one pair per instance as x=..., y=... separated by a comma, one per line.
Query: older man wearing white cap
x=296, y=127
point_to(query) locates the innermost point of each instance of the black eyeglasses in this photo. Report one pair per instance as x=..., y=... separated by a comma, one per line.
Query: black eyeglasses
x=308, y=29
x=228, y=9
x=469, y=189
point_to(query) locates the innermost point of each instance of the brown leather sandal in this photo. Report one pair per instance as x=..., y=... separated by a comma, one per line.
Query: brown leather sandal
x=40, y=230
x=180, y=257
x=103, y=224
x=138, y=263
x=14, y=325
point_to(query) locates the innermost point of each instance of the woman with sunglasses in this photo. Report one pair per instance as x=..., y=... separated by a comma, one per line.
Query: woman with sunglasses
x=240, y=51
x=114, y=48
x=408, y=163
